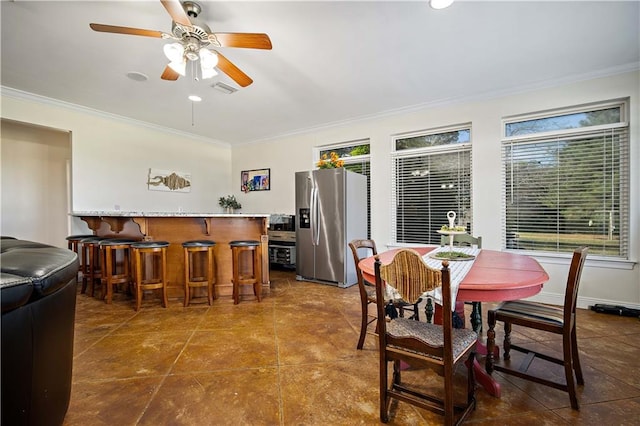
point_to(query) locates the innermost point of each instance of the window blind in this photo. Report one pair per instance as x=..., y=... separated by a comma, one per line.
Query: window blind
x=567, y=191
x=425, y=186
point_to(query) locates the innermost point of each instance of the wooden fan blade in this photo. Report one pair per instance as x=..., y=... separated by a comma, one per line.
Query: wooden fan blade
x=175, y=9
x=248, y=40
x=169, y=74
x=125, y=30
x=232, y=71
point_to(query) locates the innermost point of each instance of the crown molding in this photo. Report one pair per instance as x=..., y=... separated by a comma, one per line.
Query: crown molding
x=26, y=96
x=483, y=96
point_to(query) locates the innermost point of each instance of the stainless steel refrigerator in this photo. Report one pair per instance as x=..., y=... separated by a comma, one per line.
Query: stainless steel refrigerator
x=331, y=210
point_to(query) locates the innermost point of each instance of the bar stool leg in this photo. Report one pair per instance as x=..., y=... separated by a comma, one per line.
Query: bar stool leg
x=257, y=286
x=187, y=273
x=138, y=267
x=164, y=278
x=94, y=267
x=85, y=267
x=235, y=276
x=107, y=271
x=210, y=277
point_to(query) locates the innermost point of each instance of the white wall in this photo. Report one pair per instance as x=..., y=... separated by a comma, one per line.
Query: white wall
x=35, y=161
x=602, y=282
x=111, y=157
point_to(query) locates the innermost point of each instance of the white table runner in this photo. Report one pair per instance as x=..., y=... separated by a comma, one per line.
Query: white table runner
x=458, y=269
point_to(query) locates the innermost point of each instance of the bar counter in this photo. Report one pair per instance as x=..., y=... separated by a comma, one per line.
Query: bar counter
x=179, y=227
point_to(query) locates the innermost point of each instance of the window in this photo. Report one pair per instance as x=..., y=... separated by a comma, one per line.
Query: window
x=356, y=156
x=431, y=175
x=566, y=181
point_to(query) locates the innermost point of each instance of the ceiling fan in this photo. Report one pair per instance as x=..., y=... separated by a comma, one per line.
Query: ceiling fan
x=192, y=38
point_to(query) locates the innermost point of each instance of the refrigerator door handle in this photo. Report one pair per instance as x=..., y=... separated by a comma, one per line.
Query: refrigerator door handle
x=315, y=223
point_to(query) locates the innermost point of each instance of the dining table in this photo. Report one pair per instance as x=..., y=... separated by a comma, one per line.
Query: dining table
x=494, y=276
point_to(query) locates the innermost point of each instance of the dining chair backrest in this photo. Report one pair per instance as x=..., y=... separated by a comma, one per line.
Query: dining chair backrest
x=573, y=283
x=368, y=247
x=410, y=275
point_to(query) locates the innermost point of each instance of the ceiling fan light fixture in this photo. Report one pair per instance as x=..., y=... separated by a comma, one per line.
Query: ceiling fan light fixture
x=174, y=52
x=208, y=59
x=179, y=66
x=208, y=72
x=440, y=4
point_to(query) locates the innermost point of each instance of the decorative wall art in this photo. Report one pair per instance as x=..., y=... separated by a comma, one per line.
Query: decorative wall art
x=255, y=180
x=164, y=180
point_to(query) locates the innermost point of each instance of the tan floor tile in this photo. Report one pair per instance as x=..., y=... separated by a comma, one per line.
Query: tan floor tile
x=241, y=316
x=213, y=350
x=120, y=356
x=615, y=358
x=110, y=402
x=620, y=413
x=240, y=397
x=336, y=393
x=311, y=342
x=158, y=319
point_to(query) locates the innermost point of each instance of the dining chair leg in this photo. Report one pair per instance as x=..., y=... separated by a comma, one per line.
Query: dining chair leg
x=471, y=378
x=476, y=316
x=364, y=305
x=576, y=357
x=506, y=346
x=448, y=396
x=491, y=341
x=568, y=373
x=384, y=399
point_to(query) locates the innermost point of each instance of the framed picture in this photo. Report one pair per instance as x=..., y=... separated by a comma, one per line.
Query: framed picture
x=255, y=180
x=168, y=180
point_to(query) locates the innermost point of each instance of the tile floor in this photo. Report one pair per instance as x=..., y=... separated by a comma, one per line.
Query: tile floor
x=291, y=360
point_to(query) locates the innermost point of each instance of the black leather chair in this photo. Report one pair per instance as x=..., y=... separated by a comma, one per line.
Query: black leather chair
x=38, y=298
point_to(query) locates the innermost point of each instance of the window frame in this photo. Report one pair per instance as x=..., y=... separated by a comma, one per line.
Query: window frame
x=356, y=159
x=461, y=147
x=622, y=261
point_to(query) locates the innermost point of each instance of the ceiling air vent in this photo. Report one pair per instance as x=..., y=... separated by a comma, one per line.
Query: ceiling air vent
x=221, y=87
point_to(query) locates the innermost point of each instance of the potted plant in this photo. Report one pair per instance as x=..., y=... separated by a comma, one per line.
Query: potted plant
x=229, y=203
x=331, y=161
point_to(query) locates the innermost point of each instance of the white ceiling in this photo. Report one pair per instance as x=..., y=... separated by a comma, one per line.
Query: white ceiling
x=331, y=61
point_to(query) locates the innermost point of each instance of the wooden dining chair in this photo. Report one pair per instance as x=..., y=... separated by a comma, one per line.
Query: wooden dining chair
x=421, y=344
x=553, y=319
x=466, y=240
x=361, y=249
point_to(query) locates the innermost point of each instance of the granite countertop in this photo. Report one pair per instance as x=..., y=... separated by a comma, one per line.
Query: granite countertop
x=119, y=213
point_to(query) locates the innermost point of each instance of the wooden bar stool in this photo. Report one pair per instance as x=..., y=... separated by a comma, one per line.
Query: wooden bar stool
x=116, y=264
x=74, y=243
x=146, y=254
x=198, y=274
x=90, y=259
x=239, y=250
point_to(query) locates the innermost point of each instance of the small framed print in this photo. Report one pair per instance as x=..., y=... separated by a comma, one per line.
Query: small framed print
x=255, y=180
